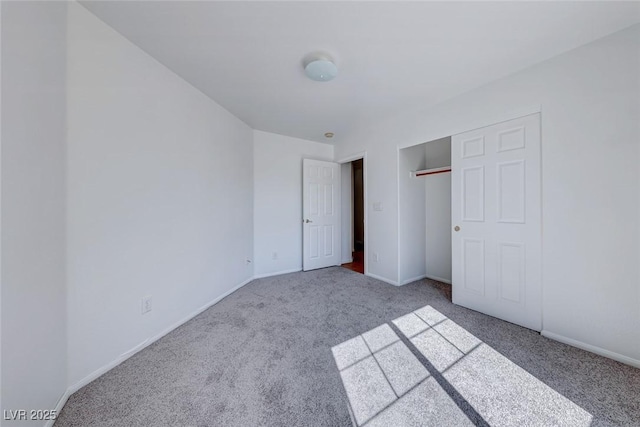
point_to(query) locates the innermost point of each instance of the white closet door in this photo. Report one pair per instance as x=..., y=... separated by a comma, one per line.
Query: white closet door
x=496, y=220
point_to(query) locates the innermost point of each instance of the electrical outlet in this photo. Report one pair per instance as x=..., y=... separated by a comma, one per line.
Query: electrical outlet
x=376, y=258
x=274, y=255
x=147, y=304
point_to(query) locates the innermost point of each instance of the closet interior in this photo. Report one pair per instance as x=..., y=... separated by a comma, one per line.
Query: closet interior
x=425, y=211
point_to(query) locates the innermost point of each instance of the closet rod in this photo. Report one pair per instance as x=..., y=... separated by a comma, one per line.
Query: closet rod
x=431, y=171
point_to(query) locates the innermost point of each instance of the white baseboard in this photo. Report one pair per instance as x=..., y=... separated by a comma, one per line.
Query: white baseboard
x=593, y=349
x=413, y=279
x=436, y=278
x=61, y=402
x=383, y=279
x=276, y=273
x=347, y=261
x=424, y=276
x=127, y=354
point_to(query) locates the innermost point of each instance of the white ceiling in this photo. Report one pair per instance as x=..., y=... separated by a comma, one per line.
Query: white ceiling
x=247, y=56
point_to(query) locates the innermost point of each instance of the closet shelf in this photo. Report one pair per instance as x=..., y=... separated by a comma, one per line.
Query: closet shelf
x=432, y=171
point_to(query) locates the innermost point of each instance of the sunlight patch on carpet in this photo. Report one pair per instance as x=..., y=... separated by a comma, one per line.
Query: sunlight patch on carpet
x=438, y=373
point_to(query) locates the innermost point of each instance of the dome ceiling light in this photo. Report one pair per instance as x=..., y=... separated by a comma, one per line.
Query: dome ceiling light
x=320, y=67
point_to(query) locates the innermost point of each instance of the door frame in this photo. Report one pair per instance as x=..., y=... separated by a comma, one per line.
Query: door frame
x=348, y=159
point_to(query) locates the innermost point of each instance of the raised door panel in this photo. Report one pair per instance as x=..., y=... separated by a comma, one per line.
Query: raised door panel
x=511, y=192
x=511, y=272
x=473, y=194
x=473, y=264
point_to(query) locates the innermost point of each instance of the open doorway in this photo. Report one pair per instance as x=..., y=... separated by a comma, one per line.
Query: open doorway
x=353, y=223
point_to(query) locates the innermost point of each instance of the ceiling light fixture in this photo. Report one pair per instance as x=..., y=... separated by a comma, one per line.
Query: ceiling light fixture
x=320, y=67
x=328, y=135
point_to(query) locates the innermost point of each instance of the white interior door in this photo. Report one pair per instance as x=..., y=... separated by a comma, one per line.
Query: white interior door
x=320, y=214
x=496, y=219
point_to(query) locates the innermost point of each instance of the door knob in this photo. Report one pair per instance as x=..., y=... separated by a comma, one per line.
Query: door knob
x=307, y=221
x=456, y=228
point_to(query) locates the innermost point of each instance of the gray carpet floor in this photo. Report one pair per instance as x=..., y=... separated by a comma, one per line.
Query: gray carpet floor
x=262, y=357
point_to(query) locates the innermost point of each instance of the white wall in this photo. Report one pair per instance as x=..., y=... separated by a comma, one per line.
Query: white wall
x=438, y=153
x=412, y=215
x=278, y=199
x=590, y=110
x=159, y=196
x=438, y=211
x=33, y=213
x=346, y=182
x=438, y=227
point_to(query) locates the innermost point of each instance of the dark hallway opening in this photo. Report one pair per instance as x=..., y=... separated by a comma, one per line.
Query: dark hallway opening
x=357, y=193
